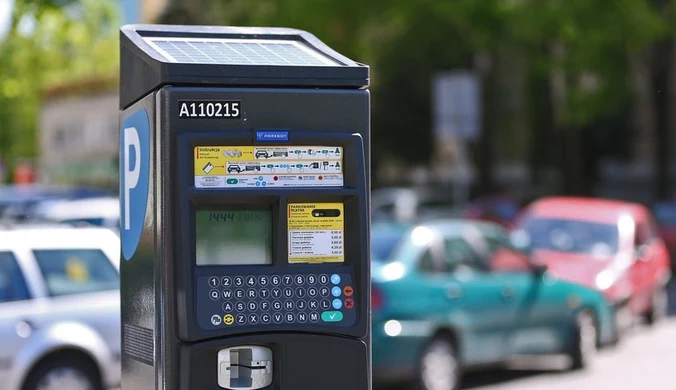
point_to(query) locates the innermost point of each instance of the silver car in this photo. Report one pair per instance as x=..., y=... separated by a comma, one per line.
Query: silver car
x=59, y=309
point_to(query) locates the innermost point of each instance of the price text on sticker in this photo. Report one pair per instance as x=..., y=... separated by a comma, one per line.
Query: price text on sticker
x=316, y=232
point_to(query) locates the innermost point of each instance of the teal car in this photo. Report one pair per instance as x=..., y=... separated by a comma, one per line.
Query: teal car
x=452, y=295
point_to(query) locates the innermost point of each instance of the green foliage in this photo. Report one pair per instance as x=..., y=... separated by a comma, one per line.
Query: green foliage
x=50, y=43
x=406, y=42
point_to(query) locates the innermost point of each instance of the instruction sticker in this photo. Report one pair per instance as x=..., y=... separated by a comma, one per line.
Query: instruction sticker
x=316, y=233
x=272, y=166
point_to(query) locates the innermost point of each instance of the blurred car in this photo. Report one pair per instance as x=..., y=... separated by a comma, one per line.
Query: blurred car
x=608, y=245
x=59, y=309
x=18, y=202
x=452, y=295
x=665, y=213
x=498, y=209
x=102, y=212
x=411, y=204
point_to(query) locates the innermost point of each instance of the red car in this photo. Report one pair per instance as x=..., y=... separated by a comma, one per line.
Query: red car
x=665, y=213
x=608, y=245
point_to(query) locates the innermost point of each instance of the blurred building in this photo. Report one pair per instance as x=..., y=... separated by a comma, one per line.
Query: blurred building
x=78, y=137
x=79, y=123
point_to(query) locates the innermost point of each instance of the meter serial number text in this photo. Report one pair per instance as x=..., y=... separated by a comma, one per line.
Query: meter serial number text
x=229, y=109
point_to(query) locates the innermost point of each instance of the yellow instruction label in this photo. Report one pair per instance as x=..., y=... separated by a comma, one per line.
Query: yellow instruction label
x=316, y=233
x=268, y=166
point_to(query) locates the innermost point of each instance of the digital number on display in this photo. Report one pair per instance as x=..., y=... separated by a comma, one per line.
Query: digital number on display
x=231, y=217
x=226, y=109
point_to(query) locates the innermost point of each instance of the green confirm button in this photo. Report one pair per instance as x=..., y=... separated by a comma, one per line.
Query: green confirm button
x=332, y=316
x=231, y=181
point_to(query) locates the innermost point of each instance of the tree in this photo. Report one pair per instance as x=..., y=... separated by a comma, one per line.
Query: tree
x=50, y=42
x=577, y=58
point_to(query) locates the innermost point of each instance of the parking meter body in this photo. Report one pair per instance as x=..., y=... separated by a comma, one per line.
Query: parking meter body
x=244, y=187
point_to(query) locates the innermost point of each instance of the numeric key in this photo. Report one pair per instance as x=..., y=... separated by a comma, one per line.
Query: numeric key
x=287, y=280
x=226, y=281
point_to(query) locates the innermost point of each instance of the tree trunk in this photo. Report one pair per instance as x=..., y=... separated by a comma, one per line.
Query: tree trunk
x=662, y=65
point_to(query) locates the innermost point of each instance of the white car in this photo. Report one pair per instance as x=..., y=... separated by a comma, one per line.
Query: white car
x=59, y=309
x=103, y=211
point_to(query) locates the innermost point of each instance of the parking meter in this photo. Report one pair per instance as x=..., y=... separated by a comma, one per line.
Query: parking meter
x=244, y=186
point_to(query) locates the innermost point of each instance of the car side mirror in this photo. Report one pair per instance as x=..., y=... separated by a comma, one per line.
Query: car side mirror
x=538, y=269
x=641, y=253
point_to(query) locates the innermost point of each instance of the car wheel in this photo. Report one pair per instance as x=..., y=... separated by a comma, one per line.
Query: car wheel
x=59, y=374
x=439, y=367
x=585, y=341
x=659, y=307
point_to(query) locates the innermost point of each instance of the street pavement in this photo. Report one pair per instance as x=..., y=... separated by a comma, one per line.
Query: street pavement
x=644, y=360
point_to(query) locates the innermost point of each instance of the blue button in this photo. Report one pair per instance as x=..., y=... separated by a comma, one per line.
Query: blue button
x=264, y=184
x=337, y=304
x=336, y=291
x=335, y=279
x=260, y=178
x=258, y=184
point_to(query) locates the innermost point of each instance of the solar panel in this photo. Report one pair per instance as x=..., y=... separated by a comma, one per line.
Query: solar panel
x=239, y=52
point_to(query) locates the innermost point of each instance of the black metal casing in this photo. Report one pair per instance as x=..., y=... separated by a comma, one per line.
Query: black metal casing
x=164, y=345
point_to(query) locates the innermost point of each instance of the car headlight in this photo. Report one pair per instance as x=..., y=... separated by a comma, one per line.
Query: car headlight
x=605, y=279
x=392, y=328
x=393, y=271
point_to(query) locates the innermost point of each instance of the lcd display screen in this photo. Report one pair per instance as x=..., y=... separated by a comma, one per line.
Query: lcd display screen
x=231, y=237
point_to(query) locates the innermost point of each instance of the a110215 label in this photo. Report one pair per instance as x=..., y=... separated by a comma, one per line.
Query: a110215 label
x=209, y=109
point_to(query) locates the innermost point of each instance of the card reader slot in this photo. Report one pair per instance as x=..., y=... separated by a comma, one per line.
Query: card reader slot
x=245, y=367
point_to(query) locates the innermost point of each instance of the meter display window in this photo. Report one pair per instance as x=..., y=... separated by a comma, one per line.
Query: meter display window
x=233, y=237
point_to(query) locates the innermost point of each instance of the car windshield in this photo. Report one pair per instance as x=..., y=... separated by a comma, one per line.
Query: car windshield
x=383, y=241
x=572, y=236
x=76, y=271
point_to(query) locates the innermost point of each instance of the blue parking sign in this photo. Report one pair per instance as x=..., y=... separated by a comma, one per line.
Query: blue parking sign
x=134, y=170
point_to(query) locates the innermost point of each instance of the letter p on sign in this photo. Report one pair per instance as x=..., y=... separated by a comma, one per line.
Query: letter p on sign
x=131, y=174
x=134, y=171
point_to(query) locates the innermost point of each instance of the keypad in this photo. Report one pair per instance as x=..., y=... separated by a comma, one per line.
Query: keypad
x=283, y=299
